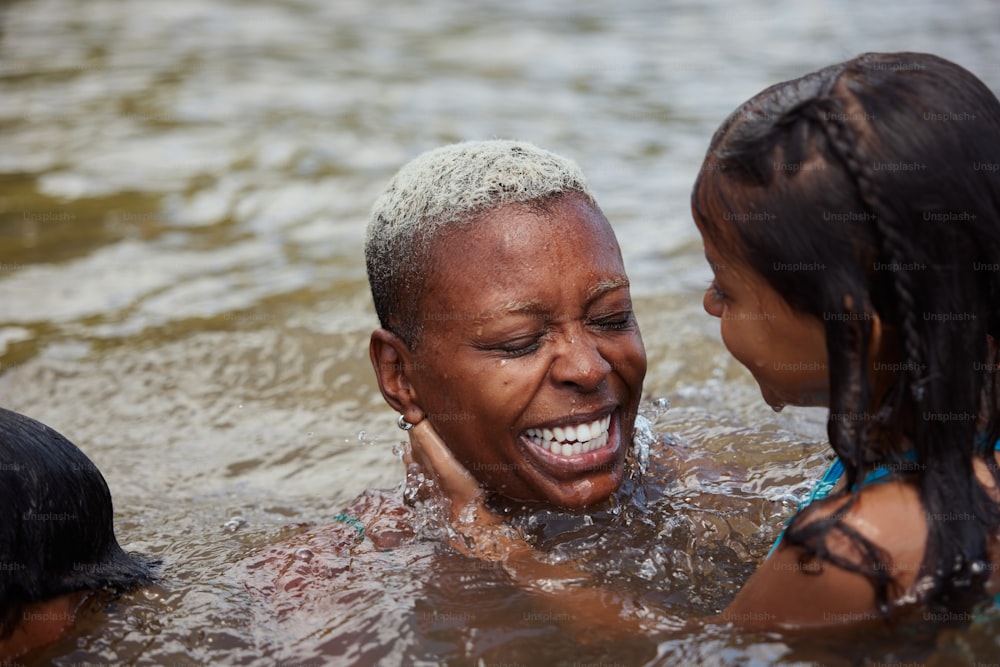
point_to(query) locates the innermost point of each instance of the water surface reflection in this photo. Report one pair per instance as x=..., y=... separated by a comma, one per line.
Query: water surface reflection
x=183, y=191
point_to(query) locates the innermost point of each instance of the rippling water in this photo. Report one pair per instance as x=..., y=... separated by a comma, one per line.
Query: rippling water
x=183, y=192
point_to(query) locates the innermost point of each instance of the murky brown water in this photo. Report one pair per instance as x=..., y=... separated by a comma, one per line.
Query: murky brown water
x=183, y=192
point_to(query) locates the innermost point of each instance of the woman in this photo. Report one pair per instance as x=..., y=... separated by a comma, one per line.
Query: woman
x=507, y=334
x=507, y=323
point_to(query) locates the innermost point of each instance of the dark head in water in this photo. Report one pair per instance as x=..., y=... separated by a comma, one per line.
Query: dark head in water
x=56, y=529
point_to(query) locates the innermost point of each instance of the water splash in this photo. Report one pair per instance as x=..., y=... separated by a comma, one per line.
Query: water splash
x=642, y=439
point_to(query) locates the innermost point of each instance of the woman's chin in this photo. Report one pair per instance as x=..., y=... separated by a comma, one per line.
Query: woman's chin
x=573, y=494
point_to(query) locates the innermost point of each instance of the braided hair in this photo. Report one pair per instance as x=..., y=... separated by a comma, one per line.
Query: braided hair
x=882, y=170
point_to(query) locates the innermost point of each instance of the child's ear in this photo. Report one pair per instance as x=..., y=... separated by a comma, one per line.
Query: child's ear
x=884, y=343
x=393, y=364
x=875, y=344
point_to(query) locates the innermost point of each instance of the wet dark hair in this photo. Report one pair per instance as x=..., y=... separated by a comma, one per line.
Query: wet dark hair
x=872, y=187
x=57, y=528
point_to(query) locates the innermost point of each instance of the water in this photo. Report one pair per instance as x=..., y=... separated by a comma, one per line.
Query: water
x=183, y=191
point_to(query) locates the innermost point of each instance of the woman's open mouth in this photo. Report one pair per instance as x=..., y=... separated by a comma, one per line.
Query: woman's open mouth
x=575, y=446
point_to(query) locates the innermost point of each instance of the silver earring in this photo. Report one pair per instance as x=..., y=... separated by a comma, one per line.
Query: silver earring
x=403, y=424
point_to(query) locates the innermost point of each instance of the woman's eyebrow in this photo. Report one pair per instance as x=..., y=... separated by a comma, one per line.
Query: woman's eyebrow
x=514, y=307
x=536, y=307
x=604, y=286
x=531, y=306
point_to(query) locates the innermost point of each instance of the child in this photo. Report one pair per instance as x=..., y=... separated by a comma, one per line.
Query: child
x=851, y=218
x=57, y=539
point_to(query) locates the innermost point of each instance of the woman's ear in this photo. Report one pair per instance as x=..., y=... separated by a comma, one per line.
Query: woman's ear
x=393, y=364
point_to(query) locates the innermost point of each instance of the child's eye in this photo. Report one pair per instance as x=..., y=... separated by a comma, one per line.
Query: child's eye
x=717, y=293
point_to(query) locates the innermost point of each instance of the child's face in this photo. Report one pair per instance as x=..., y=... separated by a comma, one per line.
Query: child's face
x=785, y=350
x=529, y=344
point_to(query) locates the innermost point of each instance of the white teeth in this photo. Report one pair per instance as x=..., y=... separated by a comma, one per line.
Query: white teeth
x=572, y=440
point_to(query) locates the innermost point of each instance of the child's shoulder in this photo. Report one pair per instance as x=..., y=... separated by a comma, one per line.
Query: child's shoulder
x=794, y=588
x=892, y=518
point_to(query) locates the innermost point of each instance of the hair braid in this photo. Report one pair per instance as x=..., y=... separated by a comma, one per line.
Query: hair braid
x=845, y=144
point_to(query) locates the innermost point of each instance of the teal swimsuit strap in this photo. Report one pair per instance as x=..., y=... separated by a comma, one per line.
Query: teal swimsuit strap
x=825, y=485
x=832, y=476
x=829, y=480
x=822, y=489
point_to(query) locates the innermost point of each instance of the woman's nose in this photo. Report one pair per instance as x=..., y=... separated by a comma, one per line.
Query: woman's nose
x=580, y=362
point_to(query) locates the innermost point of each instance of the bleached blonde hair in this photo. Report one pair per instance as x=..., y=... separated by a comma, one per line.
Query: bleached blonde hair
x=455, y=185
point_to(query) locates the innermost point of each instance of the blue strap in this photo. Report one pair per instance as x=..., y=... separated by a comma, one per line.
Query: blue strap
x=354, y=522
x=832, y=476
x=822, y=489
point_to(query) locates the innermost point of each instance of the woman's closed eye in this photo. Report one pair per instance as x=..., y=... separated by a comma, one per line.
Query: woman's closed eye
x=517, y=347
x=616, y=322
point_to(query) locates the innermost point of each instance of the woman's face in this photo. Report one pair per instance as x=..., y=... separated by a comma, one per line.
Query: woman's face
x=785, y=350
x=530, y=362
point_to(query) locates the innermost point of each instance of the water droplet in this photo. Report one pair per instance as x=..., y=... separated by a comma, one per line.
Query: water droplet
x=309, y=434
x=305, y=553
x=778, y=408
x=362, y=434
x=234, y=524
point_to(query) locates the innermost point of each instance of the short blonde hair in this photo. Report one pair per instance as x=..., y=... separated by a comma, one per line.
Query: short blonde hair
x=443, y=188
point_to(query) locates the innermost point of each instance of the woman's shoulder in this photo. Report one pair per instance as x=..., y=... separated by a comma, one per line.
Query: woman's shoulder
x=377, y=520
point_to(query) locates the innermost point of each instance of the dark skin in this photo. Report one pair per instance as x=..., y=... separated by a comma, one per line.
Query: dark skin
x=528, y=326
